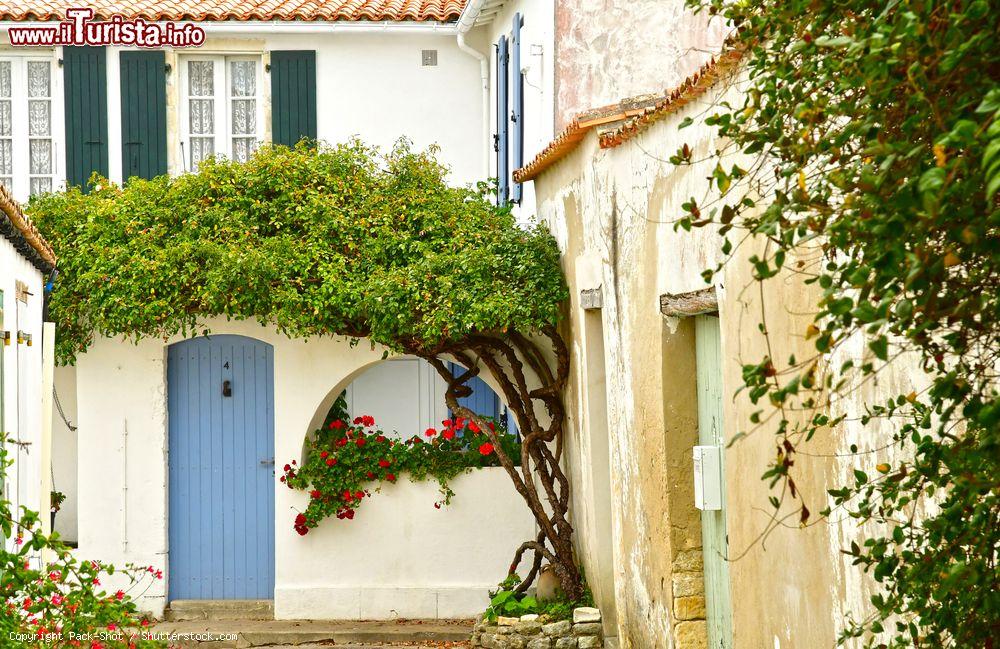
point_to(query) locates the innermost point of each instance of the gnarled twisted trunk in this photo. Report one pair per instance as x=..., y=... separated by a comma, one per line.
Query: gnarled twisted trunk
x=535, y=398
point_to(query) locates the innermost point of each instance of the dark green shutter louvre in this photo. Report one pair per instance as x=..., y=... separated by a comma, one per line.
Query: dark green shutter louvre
x=86, y=87
x=144, y=114
x=293, y=96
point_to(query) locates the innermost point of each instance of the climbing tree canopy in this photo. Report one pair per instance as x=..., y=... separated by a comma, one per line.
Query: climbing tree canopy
x=340, y=240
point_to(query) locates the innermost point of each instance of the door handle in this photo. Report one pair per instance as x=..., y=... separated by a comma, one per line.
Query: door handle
x=227, y=388
x=267, y=462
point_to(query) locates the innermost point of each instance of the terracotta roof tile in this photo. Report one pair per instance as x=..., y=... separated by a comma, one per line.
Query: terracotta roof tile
x=20, y=231
x=215, y=10
x=632, y=115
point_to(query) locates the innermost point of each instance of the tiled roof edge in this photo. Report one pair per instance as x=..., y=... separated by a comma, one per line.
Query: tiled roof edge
x=20, y=231
x=634, y=114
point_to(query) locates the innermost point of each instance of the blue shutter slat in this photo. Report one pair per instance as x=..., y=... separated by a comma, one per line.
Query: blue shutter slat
x=517, y=105
x=503, y=170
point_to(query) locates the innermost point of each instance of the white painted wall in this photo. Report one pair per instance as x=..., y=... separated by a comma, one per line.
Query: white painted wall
x=407, y=567
x=64, y=453
x=22, y=383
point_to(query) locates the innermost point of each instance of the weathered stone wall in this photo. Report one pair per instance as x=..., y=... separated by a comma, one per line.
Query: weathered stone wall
x=613, y=213
x=608, y=49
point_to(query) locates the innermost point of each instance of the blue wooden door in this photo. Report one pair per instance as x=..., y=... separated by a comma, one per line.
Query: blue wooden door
x=221, y=443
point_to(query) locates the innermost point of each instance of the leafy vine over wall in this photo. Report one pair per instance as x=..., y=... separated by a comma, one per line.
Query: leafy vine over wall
x=871, y=128
x=344, y=241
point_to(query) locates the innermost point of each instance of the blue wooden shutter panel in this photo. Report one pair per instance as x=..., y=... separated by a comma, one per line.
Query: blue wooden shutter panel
x=86, y=86
x=503, y=171
x=293, y=96
x=517, y=105
x=144, y=113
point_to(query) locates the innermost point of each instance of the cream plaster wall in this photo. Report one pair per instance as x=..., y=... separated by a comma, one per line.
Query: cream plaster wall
x=613, y=213
x=415, y=561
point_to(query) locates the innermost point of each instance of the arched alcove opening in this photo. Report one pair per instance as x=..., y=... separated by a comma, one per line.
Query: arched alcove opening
x=406, y=396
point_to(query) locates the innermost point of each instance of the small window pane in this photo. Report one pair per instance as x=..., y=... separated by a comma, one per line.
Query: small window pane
x=201, y=81
x=6, y=158
x=41, y=186
x=7, y=182
x=5, y=118
x=41, y=157
x=202, y=116
x=244, y=116
x=243, y=148
x=243, y=78
x=39, y=117
x=38, y=78
x=201, y=148
x=4, y=78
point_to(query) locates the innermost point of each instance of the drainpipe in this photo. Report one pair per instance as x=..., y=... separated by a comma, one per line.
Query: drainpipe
x=465, y=23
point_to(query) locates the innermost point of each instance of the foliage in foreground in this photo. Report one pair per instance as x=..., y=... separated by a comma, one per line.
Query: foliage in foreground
x=874, y=130
x=60, y=603
x=340, y=240
x=343, y=461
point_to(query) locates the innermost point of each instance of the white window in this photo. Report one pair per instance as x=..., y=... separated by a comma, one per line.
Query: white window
x=27, y=160
x=221, y=108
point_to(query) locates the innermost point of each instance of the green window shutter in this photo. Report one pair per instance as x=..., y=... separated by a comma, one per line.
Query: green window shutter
x=144, y=113
x=293, y=96
x=86, y=87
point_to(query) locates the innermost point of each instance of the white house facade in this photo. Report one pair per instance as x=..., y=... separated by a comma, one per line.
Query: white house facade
x=25, y=362
x=472, y=78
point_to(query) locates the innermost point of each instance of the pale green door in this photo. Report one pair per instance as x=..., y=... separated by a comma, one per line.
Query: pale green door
x=718, y=612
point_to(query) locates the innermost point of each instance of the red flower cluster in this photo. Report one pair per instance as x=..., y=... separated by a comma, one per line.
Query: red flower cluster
x=336, y=472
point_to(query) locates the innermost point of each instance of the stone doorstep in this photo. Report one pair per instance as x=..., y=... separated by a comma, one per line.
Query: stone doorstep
x=182, y=610
x=257, y=633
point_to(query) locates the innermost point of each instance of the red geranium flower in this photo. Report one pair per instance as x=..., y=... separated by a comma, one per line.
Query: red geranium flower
x=474, y=427
x=384, y=463
x=370, y=475
x=324, y=454
x=357, y=420
x=448, y=433
x=368, y=420
x=336, y=424
x=391, y=477
x=430, y=432
x=486, y=448
x=331, y=461
x=315, y=494
x=380, y=438
x=358, y=495
x=360, y=442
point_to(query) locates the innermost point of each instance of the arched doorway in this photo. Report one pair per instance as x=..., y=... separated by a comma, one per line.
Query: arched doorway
x=220, y=401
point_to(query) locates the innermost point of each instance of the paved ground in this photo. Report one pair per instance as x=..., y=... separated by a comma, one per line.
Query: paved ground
x=308, y=634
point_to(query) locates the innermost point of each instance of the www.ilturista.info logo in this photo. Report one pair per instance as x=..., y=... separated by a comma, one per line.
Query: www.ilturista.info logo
x=80, y=29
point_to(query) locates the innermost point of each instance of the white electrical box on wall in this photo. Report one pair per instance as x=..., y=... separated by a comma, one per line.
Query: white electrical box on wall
x=708, y=478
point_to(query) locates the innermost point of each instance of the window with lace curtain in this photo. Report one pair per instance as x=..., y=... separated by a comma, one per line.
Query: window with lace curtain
x=27, y=160
x=221, y=107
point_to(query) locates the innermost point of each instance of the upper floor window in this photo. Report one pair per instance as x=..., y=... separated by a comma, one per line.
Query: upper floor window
x=221, y=107
x=26, y=144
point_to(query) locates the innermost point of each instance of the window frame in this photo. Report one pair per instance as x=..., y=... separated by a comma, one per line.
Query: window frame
x=20, y=137
x=222, y=135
